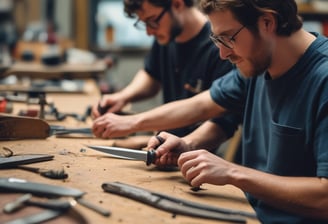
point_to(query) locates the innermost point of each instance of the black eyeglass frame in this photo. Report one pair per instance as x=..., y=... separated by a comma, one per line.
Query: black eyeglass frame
x=227, y=41
x=153, y=24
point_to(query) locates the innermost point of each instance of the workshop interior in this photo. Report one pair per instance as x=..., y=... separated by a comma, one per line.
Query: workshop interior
x=57, y=58
x=68, y=34
x=37, y=37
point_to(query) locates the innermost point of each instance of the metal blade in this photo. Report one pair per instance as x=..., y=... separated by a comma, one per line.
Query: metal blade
x=122, y=152
x=12, y=161
x=46, y=190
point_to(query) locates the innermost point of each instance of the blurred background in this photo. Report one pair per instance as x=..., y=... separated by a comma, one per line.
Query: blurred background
x=84, y=30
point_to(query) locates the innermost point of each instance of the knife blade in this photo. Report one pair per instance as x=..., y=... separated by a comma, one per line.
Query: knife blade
x=61, y=130
x=15, y=160
x=38, y=217
x=16, y=185
x=46, y=190
x=147, y=156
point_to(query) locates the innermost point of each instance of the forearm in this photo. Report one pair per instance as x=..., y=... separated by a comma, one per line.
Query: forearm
x=307, y=196
x=178, y=113
x=141, y=87
x=208, y=136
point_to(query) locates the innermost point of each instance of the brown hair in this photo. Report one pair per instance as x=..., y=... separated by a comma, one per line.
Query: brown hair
x=247, y=12
x=131, y=6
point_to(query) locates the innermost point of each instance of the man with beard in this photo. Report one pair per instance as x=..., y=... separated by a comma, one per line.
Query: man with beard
x=183, y=62
x=281, y=85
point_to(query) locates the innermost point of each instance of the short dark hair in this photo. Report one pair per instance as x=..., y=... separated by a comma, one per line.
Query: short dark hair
x=247, y=12
x=131, y=6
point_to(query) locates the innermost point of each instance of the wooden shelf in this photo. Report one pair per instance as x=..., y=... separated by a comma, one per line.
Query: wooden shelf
x=308, y=12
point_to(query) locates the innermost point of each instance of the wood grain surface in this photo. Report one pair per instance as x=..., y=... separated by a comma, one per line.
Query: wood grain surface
x=87, y=170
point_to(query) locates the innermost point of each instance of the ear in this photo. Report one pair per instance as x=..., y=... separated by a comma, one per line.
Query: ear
x=178, y=4
x=267, y=22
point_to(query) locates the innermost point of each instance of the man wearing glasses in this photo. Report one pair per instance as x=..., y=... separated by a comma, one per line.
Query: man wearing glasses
x=281, y=85
x=182, y=62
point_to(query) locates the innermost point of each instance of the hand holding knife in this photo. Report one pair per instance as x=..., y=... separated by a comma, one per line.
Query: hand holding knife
x=148, y=157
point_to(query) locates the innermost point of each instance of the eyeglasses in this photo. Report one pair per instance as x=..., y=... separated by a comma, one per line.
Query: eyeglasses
x=227, y=41
x=153, y=23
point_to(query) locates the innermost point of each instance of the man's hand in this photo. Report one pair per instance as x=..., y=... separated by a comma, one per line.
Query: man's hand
x=112, y=125
x=110, y=103
x=201, y=166
x=168, y=152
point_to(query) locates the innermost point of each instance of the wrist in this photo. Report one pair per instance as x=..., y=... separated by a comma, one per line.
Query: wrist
x=189, y=143
x=137, y=122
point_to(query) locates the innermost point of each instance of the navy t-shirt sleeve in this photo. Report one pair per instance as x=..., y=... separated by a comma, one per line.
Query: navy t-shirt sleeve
x=229, y=123
x=230, y=91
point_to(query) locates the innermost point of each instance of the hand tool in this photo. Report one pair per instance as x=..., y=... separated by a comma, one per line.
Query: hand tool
x=10, y=161
x=26, y=200
x=18, y=127
x=147, y=156
x=40, y=217
x=54, y=208
x=103, y=110
x=55, y=204
x=176, y=205
x=49, y=173
x=61, y=130
x=40, y=189
x=15, y=160
x=46, y=190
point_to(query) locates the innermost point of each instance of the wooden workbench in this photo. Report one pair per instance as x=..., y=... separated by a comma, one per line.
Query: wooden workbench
x=88, y=169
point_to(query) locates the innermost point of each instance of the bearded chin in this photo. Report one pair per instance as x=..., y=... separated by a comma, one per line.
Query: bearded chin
x=257, y=67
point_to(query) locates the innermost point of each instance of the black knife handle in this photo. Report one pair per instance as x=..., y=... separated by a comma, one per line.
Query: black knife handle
x=103, y=110
x=151, y=157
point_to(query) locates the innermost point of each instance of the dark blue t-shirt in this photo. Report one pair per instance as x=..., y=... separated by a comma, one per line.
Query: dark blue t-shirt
x=195, y=62
x=285, y=125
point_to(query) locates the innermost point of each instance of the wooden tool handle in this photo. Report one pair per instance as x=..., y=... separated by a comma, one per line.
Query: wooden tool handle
x=17, y=127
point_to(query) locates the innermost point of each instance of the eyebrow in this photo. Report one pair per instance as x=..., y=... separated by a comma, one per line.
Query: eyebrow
x=150, y=17
x=224, y=33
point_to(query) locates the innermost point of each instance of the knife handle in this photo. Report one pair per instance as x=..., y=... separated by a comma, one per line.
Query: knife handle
x=103, y=110
x=151, y=157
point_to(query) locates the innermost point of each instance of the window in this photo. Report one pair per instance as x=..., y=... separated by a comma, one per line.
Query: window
x=114, y=28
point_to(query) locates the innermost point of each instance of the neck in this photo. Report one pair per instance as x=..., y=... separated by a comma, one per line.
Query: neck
x=192, y=21
x=288, y=50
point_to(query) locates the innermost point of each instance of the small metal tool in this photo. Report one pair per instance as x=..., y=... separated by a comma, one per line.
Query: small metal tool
x=47, y=190
x=17, y=204
x=175, y=205
x=49, y=173
x=49, y=204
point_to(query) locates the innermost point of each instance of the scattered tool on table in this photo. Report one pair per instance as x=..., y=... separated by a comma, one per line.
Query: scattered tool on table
x=49, y=173
x=10, y=161
x=18, y=127
x=54, y=208
x=175, y=205
x=16, y=160
x=26, y=199
x=15, y=185
x=103, y=110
